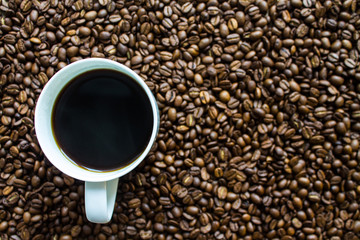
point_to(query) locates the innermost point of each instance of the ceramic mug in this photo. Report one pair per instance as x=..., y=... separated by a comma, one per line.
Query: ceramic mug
x=100, y=186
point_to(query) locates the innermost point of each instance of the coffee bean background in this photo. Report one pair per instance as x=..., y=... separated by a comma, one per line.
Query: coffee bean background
x=260, y=118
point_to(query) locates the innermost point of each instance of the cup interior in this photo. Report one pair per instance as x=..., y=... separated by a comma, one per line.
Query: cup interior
x=43, y=118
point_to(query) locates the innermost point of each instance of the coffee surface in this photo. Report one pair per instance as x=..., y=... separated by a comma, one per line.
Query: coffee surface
x=102, y=120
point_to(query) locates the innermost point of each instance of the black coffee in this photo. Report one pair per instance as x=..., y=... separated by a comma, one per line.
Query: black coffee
x=102, y=120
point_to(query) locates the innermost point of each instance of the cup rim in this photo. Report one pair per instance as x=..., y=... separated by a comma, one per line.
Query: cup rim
x=43, y=112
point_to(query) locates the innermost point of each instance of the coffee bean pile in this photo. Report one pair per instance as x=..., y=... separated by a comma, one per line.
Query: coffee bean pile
x=260, y=118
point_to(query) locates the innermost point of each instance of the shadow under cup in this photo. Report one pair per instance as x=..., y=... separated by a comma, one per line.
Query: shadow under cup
x=98, y=125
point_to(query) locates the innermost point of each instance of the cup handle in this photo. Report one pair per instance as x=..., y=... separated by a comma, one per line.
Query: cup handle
x=100, y=200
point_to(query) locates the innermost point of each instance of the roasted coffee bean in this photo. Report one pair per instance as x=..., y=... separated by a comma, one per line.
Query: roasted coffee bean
x=350, y=63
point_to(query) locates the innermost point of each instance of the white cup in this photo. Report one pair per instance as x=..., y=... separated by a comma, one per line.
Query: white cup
x=100, y=187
